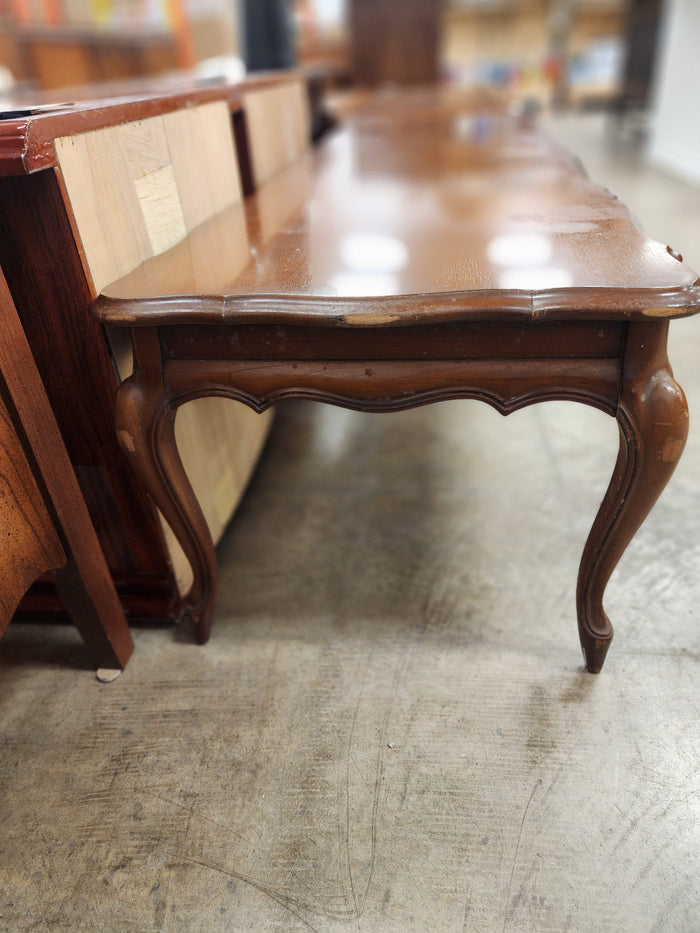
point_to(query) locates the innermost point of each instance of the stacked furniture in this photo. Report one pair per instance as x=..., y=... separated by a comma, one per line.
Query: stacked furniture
x=88, y=191
x=436, y=247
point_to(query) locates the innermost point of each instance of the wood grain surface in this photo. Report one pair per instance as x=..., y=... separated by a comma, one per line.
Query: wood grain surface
x=277, y=120
x=30, y=543
x=44, y=521
x=436, y=217
x=51, y=294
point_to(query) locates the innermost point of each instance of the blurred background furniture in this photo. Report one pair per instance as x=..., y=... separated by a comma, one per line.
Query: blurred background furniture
x=44, y=523
x=569, y=49
x=395, y=41
x=269, y=40
x=642, y=28
x=67, y=57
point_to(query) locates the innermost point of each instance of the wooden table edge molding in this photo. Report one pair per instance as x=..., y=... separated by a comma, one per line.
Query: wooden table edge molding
x=401, y=311
x=601, y=345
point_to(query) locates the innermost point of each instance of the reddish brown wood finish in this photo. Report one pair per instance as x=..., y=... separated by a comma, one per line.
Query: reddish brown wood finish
x=464, y=225
x=30, y=544
x=48, y=285
x=31, y=122
x=636, y=386
x=45, y=523
x=47, y=274
x=652, y=416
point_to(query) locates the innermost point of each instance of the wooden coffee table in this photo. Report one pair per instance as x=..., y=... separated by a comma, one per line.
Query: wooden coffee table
x=424, y=252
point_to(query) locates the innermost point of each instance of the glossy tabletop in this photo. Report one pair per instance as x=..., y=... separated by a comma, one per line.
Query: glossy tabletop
x=437, y=213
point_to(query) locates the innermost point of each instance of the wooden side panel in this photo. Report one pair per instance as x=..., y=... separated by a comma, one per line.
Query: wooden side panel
x=135, y=191
x=146, y=153
x=42, y=500
x=229, y=437
x=277, y=120
x=104, y=203
x=30, y=545
x=44, y=272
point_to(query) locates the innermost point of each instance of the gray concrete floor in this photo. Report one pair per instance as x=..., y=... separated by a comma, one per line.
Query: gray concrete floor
x=390, y=729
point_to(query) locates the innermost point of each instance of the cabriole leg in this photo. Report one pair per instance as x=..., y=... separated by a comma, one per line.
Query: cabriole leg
x=653, y=421
x=145, y=421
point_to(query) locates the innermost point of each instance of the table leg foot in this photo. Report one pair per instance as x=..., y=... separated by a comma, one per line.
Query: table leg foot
x=595, y=649
x=201, y=623
x=653, y=421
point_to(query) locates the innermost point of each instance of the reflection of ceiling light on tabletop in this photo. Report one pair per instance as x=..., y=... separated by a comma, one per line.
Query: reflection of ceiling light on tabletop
x=524, y=259
x=365, y=284
x=373, y=252
x=519, y=249
x=532, y=280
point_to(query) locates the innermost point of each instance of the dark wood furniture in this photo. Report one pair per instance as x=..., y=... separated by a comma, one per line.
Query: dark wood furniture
x=424, y=253
x=642, y=34
x=52, y=281
x=395, y=41
x=44, y=523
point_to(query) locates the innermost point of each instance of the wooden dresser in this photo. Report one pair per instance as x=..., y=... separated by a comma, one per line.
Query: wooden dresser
x=88, y=191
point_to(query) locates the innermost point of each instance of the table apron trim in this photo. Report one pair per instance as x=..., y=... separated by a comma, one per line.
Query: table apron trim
x=390, y=385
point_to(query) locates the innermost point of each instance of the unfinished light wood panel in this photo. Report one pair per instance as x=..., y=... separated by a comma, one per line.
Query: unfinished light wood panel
x=104, y=203
x=277, y=119
x=135, y=191
x=203, y=159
